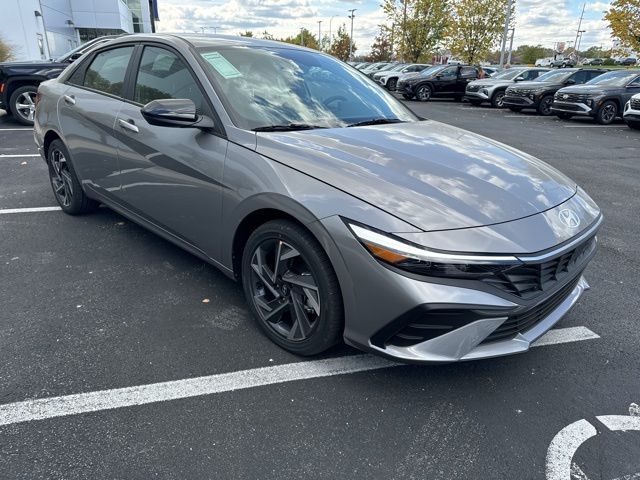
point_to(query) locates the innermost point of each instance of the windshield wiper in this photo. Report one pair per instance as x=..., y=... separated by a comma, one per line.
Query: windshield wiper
x=286, y=128
x=375, y=121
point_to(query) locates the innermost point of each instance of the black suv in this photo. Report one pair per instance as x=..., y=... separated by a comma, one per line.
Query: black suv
x=447, y=81
x=603, y=98
x=19, y=80
x=538, y=94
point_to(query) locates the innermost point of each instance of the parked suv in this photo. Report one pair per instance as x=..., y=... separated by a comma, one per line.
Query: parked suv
x=563, y=63
x=602, y=98
x=448, y=81
x=390, y=79
x=492, y=89
x=632, y=112
x=19, y=80
x=538, y=94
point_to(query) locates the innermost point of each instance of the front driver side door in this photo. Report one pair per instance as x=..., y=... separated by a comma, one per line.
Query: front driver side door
x=171, y=176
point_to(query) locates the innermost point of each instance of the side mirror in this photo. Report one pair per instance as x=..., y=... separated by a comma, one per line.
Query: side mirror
x=174, y=112
x=518, y=79
x=570, y=82
x=74, y=57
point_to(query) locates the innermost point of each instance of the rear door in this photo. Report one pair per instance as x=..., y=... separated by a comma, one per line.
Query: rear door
x=466, y=75
x=88, y=113
x=171, y=176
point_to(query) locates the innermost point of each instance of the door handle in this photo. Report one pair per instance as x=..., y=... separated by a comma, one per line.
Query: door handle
x=128, y=125
x=69, y=99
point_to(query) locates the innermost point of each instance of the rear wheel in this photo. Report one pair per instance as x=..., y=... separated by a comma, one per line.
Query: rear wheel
x=423, y=93
x=497, y=100
x=23, y=104
x=291, y=288
x=564, y=116
x=65, y=184
x=607, y=113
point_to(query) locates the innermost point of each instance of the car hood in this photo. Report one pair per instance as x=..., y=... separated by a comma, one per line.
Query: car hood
x=431, y=175
x=33, y=67
x=590, y=89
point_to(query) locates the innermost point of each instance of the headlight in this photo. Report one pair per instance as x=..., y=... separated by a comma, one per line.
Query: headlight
x=416, y=259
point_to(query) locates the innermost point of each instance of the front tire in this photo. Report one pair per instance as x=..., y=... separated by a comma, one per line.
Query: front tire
x=607, y=113
x=291, y=288
x=391, y=84
x=23, y=104
x=544, y=107
x=423, y=93
x=64, y=182
x=497, y=100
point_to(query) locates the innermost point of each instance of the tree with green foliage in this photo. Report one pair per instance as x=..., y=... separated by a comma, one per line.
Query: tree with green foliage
x=304, y=38
x=6, y=51
x=528, y=54
x=247, y=33
x=381, y=48
x=476, y=26
x=624, y=21
x=267, y=36
x=417, y=26
x=340, y=46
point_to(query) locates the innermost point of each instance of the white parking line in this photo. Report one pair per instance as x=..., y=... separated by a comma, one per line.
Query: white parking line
x=14, y=129
x=5, y=211
x=594, y=126
x=75, y=404
x=10, y=155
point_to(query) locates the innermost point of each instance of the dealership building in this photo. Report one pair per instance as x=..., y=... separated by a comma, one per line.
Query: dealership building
x=42, y=29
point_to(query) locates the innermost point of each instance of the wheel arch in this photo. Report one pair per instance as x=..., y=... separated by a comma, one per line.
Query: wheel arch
x=48, y=139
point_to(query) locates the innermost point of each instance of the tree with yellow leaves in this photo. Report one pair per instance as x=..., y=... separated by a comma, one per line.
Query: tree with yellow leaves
x=476, y=26
x=624, y=20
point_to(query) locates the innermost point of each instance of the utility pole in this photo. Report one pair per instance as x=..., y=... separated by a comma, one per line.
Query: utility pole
x=319, y=35
x=513, y=32
x=579, y=27
x=302, y=36
x=352, y=16
x=581, y=32
x=404, y=29
x=505, y=34
x=330, y=37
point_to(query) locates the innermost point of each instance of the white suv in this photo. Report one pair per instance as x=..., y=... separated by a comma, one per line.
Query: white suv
x=632, y=112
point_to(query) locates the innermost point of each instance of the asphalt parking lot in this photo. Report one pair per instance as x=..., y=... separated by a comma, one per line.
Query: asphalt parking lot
x=121, y=356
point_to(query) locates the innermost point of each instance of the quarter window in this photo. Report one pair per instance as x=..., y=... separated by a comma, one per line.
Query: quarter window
x=162, y=74
x=107, y=70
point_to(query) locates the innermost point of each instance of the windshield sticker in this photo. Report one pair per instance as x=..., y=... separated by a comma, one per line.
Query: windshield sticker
x=223, y=66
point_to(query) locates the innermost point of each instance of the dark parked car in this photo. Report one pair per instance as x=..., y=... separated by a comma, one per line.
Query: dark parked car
x=341, y=213
x=629, y=61
x=538, y=94
x=593, y=61
x=19, y=80
x=448, y=81
x=602, y=98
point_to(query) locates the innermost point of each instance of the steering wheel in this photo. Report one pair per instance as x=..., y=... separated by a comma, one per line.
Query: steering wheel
x=334, y=98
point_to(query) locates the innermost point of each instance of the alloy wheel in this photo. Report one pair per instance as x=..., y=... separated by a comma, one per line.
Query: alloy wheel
x=284, y=290
x=499, y=99
x=25, y=105
x=424, y=93
x=608, y=113
x=545, y=105
x=61, y=178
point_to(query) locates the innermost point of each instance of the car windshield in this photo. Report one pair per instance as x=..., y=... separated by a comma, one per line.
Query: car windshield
x=614, y=79
x=431, y=70
x=509, y=74
x=280, y=88
x=555, y=76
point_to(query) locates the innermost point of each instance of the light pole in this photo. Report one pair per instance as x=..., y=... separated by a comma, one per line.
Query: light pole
x=352, y=16
x=330, y=20
x=507, y=20
x=577, y=50
x=320, y=35
x=513, y=32
x=302, y=36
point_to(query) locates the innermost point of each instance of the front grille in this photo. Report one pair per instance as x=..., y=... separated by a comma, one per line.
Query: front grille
x=635, y=103
x=571, y=97
x=521, y=92
x=523, y=321
x=531, y=279
x=473, y=88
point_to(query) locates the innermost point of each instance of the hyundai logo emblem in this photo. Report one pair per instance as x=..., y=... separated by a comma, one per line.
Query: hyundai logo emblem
x=565, y=96
x=569, y=218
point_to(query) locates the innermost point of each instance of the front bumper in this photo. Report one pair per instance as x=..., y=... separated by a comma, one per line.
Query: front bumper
x=381, y=305
x=572, y=108
x=519, y=101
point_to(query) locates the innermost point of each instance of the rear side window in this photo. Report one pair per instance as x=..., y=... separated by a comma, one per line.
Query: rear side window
x=107, y=70
x=162, y=74
x=582, y=76
x=593, y=74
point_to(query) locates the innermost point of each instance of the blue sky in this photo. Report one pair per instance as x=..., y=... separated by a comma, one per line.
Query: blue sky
x=537, y=21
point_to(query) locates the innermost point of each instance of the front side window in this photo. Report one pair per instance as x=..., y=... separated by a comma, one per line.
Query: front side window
x=162, y=74
x=107, y=70
x=263, y=87
x=468, y=72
